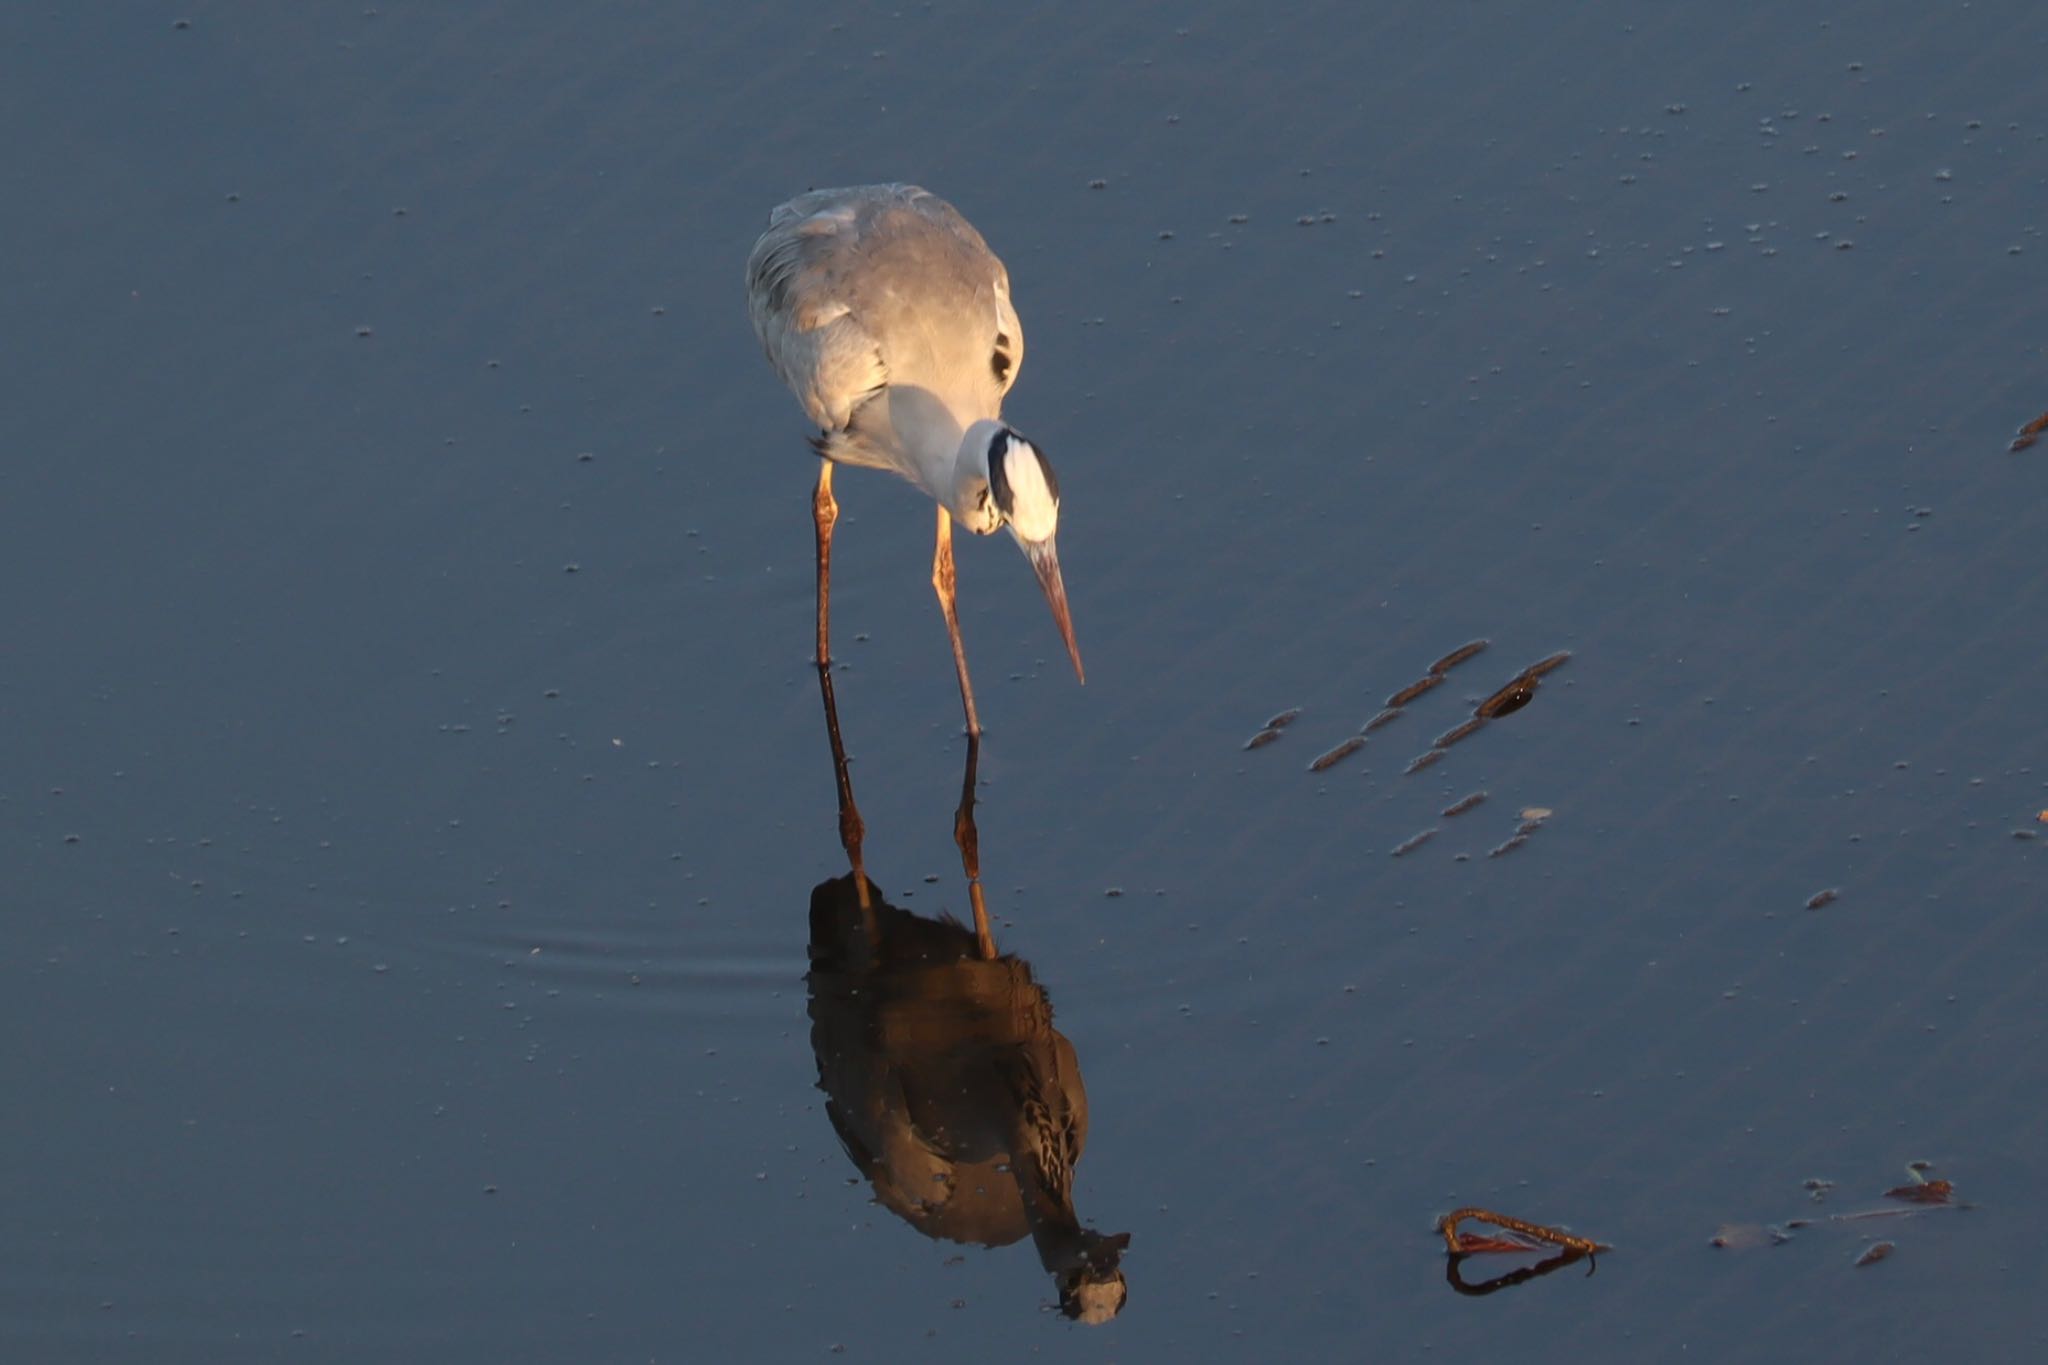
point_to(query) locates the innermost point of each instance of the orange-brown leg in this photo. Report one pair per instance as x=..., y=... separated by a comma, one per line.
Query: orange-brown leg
x=944, y=582
x=825, y=512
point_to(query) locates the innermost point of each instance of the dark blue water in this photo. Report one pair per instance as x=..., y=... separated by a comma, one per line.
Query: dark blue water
x=415, y=787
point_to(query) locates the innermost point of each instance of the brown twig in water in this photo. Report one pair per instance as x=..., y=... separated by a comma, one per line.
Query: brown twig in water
x=1333, y=757
x=1456, y=657
x=1457, y=732
x=1462, y=1244
x=1413, y=842
x=1422, y=760
x=1272, y=728
x=1434, y=676
x=1507, y=846
x=1414, y=690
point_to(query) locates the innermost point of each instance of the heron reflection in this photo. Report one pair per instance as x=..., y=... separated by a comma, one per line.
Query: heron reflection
x=943, y=1075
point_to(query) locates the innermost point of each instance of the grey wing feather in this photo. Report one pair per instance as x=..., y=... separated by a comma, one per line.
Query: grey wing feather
x=821, y=351
x=853, y=289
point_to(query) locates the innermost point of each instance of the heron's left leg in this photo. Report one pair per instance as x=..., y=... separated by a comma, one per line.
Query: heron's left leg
x=943, y=582
x=824, y=513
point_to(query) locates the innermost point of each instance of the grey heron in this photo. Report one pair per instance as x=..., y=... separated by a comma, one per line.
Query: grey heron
x=890, y=319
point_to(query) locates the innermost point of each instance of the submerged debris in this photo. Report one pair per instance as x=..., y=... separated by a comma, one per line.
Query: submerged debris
x=1421, y=761
x=1456, y=657
x=1507, y=846
x=1413, y=842
x=1456, y=733
x=1507, y=701
x=1923, y=1192
x=2029, y=433
x=1413, y=690
x=1333, y=757
x=1511, y=698
x=1743, y=1236
x=1432, y=678
x=1925, y=1195
x=1520, y=688
x=1272, y=728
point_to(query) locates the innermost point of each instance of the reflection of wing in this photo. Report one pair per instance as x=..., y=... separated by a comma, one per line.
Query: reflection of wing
x=923, y=1051
x=940, y=1198
x=1052, y=1113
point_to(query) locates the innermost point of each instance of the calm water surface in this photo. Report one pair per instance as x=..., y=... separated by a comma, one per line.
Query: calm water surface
x=415, y=787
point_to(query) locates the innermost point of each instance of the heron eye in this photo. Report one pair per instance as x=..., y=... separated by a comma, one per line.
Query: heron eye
x=999, y=362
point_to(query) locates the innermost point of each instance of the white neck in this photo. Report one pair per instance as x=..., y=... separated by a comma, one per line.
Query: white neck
x=949, y=464
x=968, y=495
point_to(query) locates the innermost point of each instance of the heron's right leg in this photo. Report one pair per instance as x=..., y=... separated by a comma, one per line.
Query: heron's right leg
x=944, y=582
x=825, y=512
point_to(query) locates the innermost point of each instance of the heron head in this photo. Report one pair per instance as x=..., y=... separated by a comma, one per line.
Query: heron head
x=1023, y=495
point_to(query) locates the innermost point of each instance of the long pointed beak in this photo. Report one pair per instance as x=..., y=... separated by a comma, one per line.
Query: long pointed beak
x=1045, y=562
